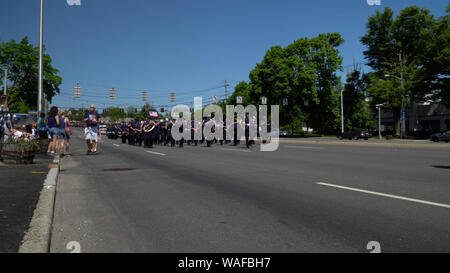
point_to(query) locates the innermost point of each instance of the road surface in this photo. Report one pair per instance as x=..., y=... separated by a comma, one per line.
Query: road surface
x=301, y=198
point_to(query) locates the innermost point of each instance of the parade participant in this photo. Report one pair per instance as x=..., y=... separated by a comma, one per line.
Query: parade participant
x=149, y=126
x=247, y=130
x=164, y=129
x=131, y=132
x=139, y=133
x=235, y=137
x=169, y=133
x=92, y=119
x=124, y=132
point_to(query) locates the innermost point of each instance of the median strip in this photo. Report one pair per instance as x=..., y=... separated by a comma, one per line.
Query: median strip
x=387, y=195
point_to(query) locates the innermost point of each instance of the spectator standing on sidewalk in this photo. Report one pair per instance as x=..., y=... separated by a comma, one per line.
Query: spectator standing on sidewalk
x=53, y=130
x=64, y=127
x=42, y=127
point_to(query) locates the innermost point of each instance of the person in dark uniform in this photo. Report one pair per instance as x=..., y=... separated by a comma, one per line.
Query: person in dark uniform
x=247, y=130
x=140, y=133
x=148, y=133
x=170, y=139
x=210, y=122
x=235, y=137
x=124, y=132
x=131, y=132
x=163, y=132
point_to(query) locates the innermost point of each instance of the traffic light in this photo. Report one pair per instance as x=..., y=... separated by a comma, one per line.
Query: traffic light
x=112, y=93
x=77, y=91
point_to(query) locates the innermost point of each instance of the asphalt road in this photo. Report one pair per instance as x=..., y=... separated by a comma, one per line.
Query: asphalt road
x=230, y=199
x=20, y=186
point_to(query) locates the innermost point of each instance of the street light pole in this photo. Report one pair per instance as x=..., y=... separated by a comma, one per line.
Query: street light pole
x=6, y=80
x=40, y=59
x=342, y=112
x=402, y=82
x=379, y=120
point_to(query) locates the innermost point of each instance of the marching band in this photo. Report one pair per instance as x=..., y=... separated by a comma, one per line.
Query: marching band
x=159, y=131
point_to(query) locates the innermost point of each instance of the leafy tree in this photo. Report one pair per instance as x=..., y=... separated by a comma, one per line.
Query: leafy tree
x=304, y=73
x=22, y=61
x=405, y=44
x=76, y=114
x=356, y=112
x=114, y=114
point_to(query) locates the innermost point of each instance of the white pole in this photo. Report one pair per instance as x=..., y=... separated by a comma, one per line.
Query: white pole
x=6, y=80
x=40, y=59
x=342, y=112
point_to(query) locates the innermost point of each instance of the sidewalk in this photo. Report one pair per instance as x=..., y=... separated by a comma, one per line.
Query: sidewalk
x=20, y=186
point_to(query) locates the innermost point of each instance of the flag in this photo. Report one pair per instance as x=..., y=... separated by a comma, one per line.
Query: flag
x=153, y=113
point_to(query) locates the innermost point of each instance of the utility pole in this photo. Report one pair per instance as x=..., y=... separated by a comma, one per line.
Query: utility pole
x=226, y=84
x=6, y=80
x=402, y=114
x=379, y=120
x=40, y=58
x=342, y=109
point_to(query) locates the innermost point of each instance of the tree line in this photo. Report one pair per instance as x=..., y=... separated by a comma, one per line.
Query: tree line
x=304, y=73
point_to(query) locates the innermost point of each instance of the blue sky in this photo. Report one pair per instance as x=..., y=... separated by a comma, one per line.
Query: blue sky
x=186, y=46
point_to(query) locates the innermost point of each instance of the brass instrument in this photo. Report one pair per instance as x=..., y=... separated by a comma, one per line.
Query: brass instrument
x=149, y=127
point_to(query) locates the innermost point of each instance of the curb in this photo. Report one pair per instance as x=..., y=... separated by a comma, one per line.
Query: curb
x=370, y=144
x=37, y=238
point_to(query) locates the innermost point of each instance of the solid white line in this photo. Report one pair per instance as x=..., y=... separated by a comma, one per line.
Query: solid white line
x=155, y=153
x=387, y=195
x=236, y=150
x=306, y=147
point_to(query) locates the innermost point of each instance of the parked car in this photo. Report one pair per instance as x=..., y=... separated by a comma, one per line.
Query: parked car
x=356, y=134
x=444, y=136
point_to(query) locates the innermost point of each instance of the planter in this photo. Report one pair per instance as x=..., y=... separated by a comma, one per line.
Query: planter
x=43, y=145
x=15, y=154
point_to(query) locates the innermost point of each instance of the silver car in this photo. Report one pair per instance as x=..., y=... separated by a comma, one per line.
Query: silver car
x=445, y=136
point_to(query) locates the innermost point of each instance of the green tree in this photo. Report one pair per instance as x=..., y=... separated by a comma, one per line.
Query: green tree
x=114, y=114
x=356, y=111
x=405, y=44
x=22, y=61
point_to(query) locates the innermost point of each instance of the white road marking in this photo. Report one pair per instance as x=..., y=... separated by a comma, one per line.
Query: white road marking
x=156, y=153
x=387, y=195
x=117, y=145
x=236, y=150
x=305, y=147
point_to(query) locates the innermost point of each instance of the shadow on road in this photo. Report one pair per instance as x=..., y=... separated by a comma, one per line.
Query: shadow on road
x=441, y=167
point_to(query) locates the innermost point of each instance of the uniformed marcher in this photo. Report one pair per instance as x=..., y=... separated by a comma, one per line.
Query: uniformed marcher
x=148, y=128
x=131, y=132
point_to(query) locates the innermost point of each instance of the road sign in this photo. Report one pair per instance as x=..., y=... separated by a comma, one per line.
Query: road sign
x=264, y=100
x=285, y=101
x=214, y=99
x=238, y=99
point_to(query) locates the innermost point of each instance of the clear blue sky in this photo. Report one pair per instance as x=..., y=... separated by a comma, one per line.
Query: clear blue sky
x=178, y=45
